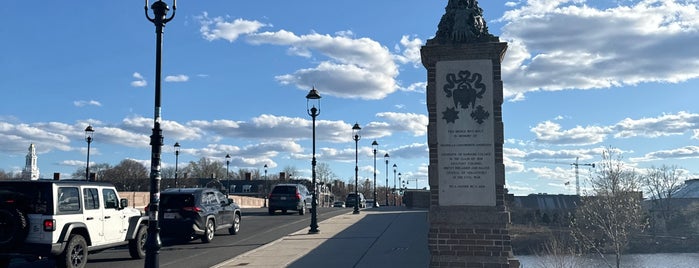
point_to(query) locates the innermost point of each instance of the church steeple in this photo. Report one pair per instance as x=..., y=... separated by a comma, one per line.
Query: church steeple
x=31, y=170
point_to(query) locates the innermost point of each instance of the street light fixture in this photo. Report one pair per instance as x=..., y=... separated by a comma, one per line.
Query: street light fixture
x=177, y=158
x=153, y=243
x=375, y=145
x=88, y=137
x=313, y=112
x=356, y=137
x=394, y=184
x=386, y=157
x=228, y=178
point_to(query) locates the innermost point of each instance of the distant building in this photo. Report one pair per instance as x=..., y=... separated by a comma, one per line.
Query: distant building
x=542, y=208
x=31, y=170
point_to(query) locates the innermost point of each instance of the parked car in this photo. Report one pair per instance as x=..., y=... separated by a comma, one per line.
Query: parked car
x=289, y=196
x=188, y=213
x=352, y=199
x=66, y=220
x=339, y=204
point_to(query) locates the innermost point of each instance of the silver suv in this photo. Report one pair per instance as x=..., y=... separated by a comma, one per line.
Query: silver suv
x=66, y=219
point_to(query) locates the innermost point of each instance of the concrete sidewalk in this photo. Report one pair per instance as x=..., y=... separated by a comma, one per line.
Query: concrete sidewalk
x=376, y=237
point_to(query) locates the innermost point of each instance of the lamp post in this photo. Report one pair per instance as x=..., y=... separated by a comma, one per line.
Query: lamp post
x=375, y=145
x=313, y=112
x=356, y=137
x=386, y=157
x=394, y=184
x=153, y=243
x=177, y=157
x=265, y=172
x=88, y=137
x=228, y=178
x=398, y=191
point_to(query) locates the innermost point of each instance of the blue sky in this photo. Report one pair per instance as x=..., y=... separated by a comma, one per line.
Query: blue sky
x=579, y=76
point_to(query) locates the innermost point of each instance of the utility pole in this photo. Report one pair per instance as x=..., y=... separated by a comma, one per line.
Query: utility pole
x=577, y=178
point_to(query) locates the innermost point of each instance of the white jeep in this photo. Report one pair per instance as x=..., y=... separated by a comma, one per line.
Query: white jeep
x=66, y=220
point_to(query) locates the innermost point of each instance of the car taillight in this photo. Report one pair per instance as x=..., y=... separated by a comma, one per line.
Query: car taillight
x=298, y=195
x=194, y=209
x=49, y=225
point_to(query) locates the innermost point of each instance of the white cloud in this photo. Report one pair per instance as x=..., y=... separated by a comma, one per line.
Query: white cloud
x=139, y=82
x=664, y=125
x=83, y=103
x=558, y=45
x=355, y=67
x=177, y=78
x=217, y=28
x=410, y=122
x=550, y=132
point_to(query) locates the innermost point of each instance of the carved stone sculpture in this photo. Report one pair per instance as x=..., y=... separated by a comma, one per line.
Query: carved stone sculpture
x=462, y=23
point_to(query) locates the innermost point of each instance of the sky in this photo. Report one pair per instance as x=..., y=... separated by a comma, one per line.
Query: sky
x=579, y=77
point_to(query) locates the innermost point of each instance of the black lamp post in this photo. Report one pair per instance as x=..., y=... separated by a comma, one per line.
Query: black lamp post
x=398, y=191
x=356, y=137
x=153, y=243
x=228, y=178
x=386, y=157
x=394, y=184
x=375, y=145
x=88, y=137
x=265, y=172
x=177, y=156
x=313, y=112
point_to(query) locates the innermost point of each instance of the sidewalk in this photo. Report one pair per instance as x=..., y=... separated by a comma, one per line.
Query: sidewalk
x=376, y=237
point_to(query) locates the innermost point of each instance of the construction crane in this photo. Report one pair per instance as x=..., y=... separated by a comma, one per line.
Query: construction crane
x=577, y=178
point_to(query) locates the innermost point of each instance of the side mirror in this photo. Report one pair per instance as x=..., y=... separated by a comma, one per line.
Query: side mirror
x=124, y=203
x=230, y=201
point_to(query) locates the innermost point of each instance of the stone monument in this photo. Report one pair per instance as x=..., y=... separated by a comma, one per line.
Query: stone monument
x=468, y=218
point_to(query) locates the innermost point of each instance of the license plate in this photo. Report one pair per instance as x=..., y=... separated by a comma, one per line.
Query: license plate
x=170, y=215
x=282, y=198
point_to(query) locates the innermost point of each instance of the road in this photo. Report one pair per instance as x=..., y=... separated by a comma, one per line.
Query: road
x=257, y=228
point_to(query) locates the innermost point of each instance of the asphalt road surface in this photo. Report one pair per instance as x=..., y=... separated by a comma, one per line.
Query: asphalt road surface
x=257, y=228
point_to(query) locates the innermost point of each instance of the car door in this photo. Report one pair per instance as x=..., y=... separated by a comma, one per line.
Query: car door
x=226, y=208
x=114, y=219
x=92, y=215
x=210, y=204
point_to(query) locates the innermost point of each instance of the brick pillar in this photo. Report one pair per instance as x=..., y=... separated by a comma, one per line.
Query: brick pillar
x=468, y=218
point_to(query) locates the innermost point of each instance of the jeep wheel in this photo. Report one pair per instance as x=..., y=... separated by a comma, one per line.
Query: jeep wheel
x=236, y=225
x=15, y=226
x=75, y=254
x=209, y=231
x=137, y=248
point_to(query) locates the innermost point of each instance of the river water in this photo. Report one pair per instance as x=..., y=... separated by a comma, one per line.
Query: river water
x=658, y=260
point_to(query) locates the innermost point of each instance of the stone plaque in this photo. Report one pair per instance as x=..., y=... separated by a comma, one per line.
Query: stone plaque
x=465, y=133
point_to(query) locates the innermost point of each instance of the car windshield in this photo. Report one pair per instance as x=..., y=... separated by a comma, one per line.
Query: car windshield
x=176, y=200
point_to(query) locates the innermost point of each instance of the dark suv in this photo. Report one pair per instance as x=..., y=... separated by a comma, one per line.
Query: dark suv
x=352, y=199
x=187, y=213
x=289, y=197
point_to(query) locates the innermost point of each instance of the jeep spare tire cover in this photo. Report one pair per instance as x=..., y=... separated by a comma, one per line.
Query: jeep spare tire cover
x=14, y=226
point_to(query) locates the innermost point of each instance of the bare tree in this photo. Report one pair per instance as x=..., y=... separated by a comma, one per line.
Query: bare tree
x=98, y=169
x=605, y=220
x=661, y=183
x=324, y=174
x=128, y=175
x=290, y=171
x=206, y=168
